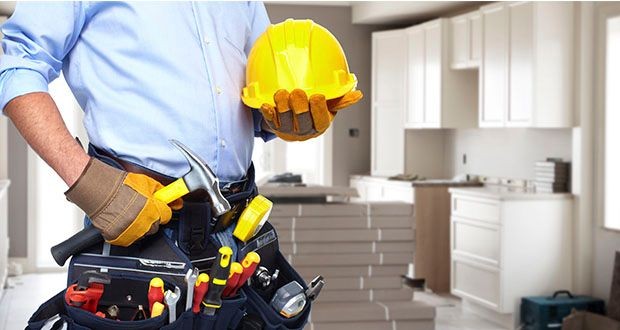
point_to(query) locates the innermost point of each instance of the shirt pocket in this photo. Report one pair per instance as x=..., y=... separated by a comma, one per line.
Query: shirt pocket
x=235, y=27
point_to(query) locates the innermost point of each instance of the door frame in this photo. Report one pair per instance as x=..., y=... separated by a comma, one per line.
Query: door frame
x=604, y=11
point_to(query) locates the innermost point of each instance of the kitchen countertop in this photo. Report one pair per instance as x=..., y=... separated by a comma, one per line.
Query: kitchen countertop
x=419, y=183
x=306, y=191
x=508, y=193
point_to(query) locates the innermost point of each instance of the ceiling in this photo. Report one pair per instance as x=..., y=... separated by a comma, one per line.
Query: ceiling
x=392, y=12
x=366, y=12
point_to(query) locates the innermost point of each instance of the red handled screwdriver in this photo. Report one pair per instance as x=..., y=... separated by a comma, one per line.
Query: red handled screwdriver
x=233, y=279
x=249, y=263
x=202, y=286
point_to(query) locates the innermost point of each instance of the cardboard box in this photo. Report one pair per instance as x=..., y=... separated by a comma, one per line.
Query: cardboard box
x=589, y=321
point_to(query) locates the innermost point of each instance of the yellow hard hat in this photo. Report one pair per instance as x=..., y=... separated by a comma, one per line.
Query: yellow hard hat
x=296, y=54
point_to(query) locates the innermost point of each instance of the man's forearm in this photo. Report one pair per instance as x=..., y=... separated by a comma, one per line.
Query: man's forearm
x=37, y=118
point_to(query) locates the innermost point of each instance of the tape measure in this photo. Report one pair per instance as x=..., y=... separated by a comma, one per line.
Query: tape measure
x=253, y=218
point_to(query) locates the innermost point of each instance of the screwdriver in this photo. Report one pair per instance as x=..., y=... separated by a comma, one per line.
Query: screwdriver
x=219, y=275
x=249, y=264
x=157, y=310
x=235, y=273
x=156, y=292
x=201, y=287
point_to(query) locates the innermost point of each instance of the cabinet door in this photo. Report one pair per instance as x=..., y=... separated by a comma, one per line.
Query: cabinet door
x=360, y=186
x=391, y=193
x=432, y=75
x=521, y=64
x=475, y=39
x=494, y=74
x=415, y=111
x=388, y=140
x=389, y=61
x=388, y=102
x=460, y=41
x=374, y=192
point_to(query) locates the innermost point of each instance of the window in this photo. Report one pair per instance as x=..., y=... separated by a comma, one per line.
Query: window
x=612, y=125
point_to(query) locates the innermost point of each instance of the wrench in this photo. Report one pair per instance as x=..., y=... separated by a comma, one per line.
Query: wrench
x=171, y=299
x=190, y=279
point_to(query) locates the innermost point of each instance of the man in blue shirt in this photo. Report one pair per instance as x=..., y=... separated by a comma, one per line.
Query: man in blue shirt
x=143, y=73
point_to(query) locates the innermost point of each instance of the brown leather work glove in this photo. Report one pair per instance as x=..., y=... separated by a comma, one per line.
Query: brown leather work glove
x=120, y=204
x=297, y=118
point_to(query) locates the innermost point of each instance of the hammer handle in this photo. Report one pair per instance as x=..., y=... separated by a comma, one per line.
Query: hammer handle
x=90, y=236
x=83, y=239
x=172, y=191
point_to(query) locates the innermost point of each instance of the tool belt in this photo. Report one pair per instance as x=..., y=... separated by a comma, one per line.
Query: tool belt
x=184, y=243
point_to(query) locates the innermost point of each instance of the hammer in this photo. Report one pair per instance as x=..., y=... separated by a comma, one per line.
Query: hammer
x=199, y=176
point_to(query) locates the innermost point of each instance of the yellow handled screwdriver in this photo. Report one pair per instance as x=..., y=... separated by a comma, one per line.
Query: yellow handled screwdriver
x=158, y=309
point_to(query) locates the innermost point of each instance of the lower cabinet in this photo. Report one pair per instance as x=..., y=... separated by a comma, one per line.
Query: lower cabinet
x=376, y=189
x=505, y=246
x=477, y=282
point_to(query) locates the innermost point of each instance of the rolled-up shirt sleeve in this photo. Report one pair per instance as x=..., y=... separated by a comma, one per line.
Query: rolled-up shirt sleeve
x=260, y=22
x=37, y=38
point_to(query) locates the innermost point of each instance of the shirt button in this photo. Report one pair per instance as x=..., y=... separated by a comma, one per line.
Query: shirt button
x=207, y=41
x=223, y=143
x=218, y=90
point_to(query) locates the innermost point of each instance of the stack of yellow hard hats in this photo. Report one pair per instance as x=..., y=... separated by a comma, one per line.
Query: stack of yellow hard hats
x=296, y=54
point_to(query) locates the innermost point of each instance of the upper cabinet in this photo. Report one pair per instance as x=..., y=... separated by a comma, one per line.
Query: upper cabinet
x=438, y=97
x=389, y=87
x=526, y=72
x=466, y=40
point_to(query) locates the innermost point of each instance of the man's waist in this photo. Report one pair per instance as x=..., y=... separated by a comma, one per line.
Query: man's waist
x=196, y=196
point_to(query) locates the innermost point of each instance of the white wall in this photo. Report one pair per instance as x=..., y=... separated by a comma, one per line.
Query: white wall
x=504, y=152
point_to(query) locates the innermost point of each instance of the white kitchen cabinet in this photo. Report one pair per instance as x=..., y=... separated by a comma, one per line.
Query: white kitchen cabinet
x=415, y=108
x=466, y=36
x=475, y=35
x=506, y=245
x=438, y=96
x=527, y=65
x=389, y=81
x=433, y=44
x=380, y=189
x=494, y=68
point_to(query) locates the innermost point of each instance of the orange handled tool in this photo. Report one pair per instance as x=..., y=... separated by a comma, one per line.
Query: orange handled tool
x=202, y=285
x=156, y=292
x=235, y=273
x=88, y=290
x=249, y=263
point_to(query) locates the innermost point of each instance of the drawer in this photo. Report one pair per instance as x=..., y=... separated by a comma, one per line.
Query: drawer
x=476, y=282
x=476, y=240
x=475, y=208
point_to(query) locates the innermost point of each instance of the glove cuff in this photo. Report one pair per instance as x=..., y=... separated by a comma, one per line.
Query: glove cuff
x=96, y=187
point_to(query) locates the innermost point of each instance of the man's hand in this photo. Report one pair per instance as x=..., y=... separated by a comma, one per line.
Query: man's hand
x=120, y=204
x=297, y=118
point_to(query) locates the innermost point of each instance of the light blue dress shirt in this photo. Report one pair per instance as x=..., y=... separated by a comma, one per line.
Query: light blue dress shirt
x=145, y=73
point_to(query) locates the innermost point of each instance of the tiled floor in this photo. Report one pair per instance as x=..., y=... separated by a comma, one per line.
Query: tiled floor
x=25, y=293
